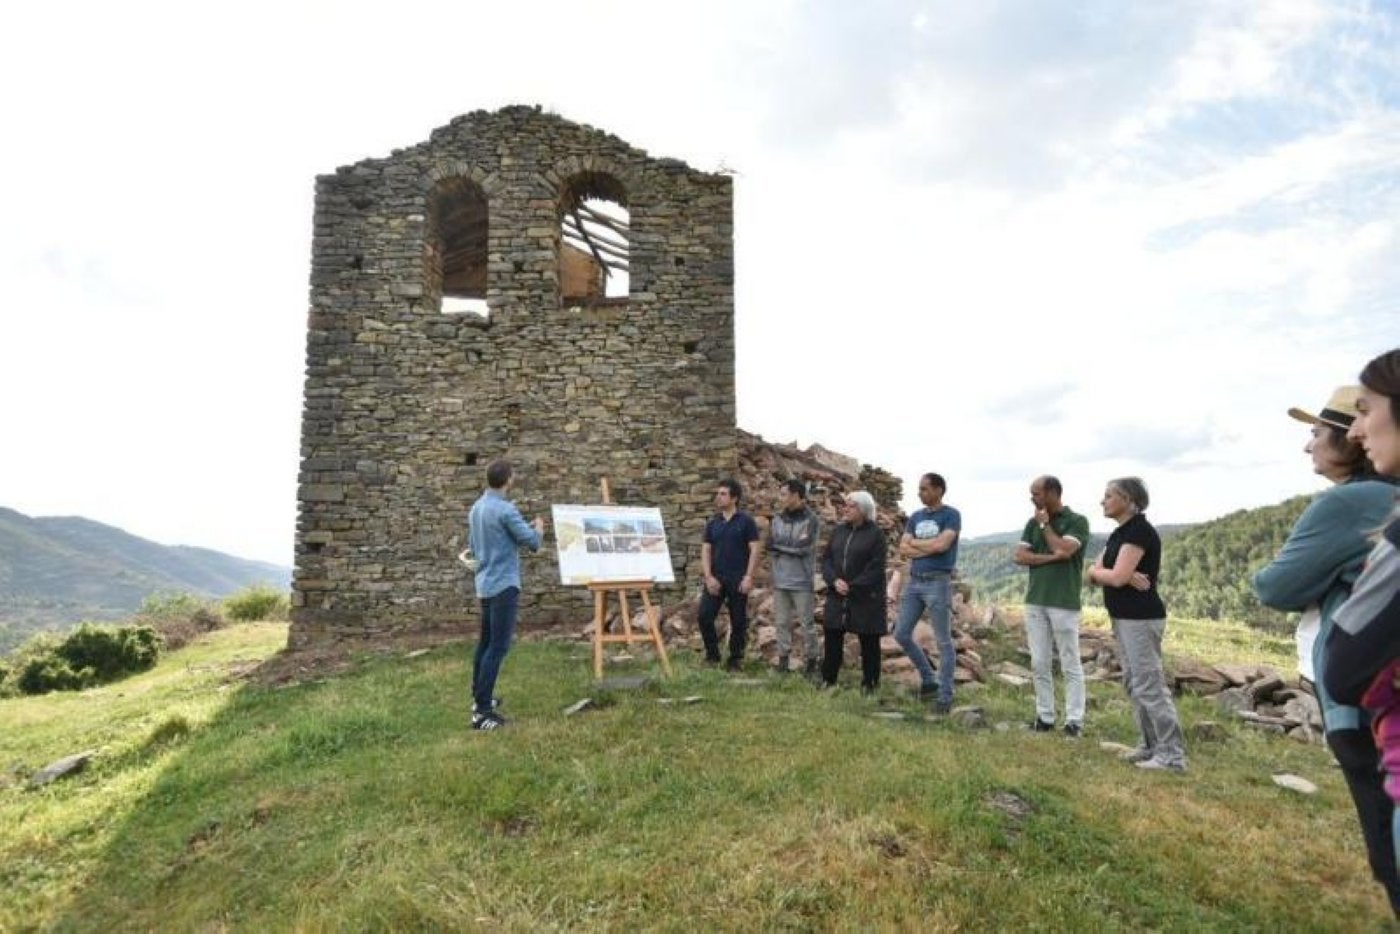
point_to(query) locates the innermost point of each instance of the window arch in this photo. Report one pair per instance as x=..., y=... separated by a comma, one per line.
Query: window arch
x=457, y=247
x=595, y=239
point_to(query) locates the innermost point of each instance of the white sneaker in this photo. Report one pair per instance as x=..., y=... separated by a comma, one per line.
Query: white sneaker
x=1140, y=754
x=1161, y=765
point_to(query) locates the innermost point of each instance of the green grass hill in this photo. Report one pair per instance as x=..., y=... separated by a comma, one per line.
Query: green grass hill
x=363, y=802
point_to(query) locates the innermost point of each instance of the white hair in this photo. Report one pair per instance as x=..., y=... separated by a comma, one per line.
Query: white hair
x=864, y=502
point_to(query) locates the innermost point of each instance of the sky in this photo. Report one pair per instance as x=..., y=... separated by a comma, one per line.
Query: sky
x=990, y=239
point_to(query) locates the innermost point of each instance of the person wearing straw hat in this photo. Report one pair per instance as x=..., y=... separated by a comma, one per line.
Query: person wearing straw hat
x=1313, y=574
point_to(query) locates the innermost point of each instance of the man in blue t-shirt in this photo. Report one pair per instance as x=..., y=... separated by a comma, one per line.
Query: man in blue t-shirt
x=728, y=559
x=930, y=541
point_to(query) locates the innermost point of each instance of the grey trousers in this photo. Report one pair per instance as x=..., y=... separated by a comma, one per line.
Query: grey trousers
x=1140, y=650
x=789, y=603
x=1050, y=629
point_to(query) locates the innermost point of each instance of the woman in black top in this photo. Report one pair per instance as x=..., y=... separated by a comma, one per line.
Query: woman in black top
x=853, y=566
x=1127, y=571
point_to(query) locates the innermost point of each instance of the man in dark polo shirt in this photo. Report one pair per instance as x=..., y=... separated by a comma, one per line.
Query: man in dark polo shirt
x=728, y=559
x=1052, y=546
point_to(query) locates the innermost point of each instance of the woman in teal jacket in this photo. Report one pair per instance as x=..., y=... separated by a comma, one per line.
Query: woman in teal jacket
x=1314, y=574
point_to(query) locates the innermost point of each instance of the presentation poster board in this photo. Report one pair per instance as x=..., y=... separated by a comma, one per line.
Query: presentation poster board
x=598, y=544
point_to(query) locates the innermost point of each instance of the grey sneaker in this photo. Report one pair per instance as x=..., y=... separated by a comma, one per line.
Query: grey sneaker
x=1161, y=765
x=1140, y=754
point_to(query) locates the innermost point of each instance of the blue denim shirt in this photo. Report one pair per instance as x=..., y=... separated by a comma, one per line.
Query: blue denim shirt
x=497, y=530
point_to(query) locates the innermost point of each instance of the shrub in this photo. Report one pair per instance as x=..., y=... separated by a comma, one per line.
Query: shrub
x=110, y=651
x=90, y=654
x=179, y=617
x=259, y=602
x=45, y=673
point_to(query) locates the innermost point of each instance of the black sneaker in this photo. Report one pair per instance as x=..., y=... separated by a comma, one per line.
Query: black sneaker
x=734, y=664
x=928, y=691
x=943, y=707
x=1074, y=730
x=487, y=721
x=1040, y=726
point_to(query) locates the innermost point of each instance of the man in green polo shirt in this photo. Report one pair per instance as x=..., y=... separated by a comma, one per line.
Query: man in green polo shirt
x=1052, y=547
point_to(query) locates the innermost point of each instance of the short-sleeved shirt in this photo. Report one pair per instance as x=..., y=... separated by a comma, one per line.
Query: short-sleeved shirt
x=1127, y=602
x=1057, y=584
x=729, y=544
x=930, y=523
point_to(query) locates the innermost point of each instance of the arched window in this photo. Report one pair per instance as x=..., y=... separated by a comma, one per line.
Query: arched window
x=457, y=246
x=594, y=244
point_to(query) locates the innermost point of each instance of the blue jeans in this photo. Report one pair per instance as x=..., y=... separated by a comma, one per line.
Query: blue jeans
x=497, y=630
x=936, y=597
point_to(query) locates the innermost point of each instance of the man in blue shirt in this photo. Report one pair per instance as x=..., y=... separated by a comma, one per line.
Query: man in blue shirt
x=496, y=532
x=728, y=559
x=930, y=541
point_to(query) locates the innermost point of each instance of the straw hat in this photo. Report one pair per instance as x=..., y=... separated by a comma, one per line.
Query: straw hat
x=1339, y=412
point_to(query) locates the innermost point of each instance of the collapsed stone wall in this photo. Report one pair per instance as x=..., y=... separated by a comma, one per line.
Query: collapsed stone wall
x=406, y=405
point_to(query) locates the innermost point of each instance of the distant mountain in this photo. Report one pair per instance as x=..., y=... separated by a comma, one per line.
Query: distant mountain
x=55, y=571
x=1205, y=566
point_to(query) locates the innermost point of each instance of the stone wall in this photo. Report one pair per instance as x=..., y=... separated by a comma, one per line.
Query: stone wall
x=405, y=405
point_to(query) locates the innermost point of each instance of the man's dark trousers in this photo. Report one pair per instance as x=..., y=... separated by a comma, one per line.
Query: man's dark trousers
x=738, y=604
x=498, y=616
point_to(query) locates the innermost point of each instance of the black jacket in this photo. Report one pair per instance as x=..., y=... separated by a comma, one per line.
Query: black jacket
x=855, y=554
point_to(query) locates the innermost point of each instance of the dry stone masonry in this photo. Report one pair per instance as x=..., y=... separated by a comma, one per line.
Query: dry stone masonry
x=406, y=403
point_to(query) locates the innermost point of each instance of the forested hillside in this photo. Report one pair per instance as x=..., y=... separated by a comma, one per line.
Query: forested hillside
x=56, y=571
x=1205, y=567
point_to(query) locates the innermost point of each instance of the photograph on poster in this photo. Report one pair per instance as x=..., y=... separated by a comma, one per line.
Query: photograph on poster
x=611, y=543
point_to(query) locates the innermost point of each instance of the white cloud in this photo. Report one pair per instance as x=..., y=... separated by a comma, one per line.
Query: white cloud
x=1029, y=228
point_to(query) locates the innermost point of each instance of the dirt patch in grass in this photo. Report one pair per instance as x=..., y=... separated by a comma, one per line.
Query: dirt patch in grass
x=298, y=666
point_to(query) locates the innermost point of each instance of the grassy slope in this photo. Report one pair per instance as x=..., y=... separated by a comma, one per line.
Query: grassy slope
x=363, y=802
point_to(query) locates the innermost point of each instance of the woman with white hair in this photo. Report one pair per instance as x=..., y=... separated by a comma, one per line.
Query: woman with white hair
x=853, y=566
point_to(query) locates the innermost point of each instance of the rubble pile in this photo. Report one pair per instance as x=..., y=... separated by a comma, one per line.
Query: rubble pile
x=763, y=467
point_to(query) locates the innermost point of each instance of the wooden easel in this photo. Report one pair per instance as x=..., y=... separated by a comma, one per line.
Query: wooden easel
x=600, y=613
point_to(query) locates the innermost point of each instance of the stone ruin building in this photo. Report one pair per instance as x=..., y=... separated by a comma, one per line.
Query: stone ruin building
x=518, y=286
